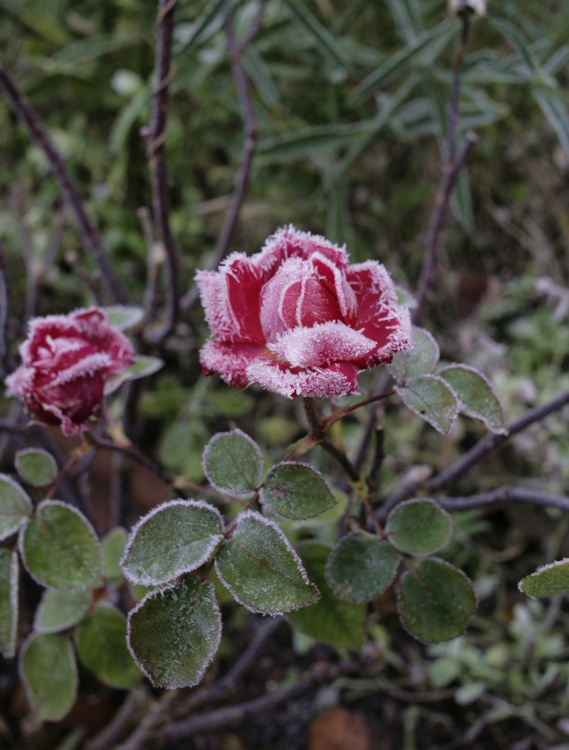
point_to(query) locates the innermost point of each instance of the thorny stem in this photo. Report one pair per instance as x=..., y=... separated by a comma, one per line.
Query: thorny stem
x=89, y=234
x=156, y=153
x=250, y=132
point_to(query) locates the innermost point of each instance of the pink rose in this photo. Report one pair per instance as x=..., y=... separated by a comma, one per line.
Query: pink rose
x=298, y=319
x=66, y=361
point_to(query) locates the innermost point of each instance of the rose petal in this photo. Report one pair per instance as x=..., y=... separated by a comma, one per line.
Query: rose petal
x=335, y=279
x=289, y=242
x=321, y=345
x=244, y=284
x=229, y=360
x=339, y=379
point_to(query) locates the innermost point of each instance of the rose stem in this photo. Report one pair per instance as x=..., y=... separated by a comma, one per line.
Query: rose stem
x=319, y=433
x=89, y=233
x=250, y=130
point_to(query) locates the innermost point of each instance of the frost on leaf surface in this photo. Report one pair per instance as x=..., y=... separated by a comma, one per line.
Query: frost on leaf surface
x=59, y=610
x=261, y=569
x=177, y=537
x=233, y=463
x=549, y=580
x=15, y=506
x=296, y=491
x=49, y=674
x=420, y=360
x=8, y=601
x=60, y=548
x=476, y=397
x=36, y=466
x=173, y=634
x=430, y=398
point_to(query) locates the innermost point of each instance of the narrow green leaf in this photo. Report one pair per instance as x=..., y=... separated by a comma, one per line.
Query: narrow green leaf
x=330, y=620
x=435, y=601
x=36, y=466
x=15, y=506
x=174, y=538
x=361, y=567
x=418, y=527
x=123, y=317
x=260, y=75
x=142, y=367
x=407, y=16
x=206, y=23
x=78, y=53
x=421, y=359
x=516, y=39
x=233, y=463
x=36, y=18
x=423, y=50
x=60, y=548
x=295, y=491
x=173, y=633
x=305, y=142
x=8, y=602
x=476, y=397
x=556, y=114
x=430, y=398
x=549, y=580
x=49, y=674
x=322, y=36
x=60, y=610
x=461, y=202
x=101, y=647
x=261, y=569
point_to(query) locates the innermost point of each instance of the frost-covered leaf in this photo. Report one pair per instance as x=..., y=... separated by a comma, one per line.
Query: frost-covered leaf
x=49, y=673
x=15, y=506
x=476, y=397
x=142, y=367
x=420, y=360
x=361, y=567
x=296, y=491
x=173, y=633
x=36, y=466
x=549, y=580
x=112, y=550
x=59, y=610
x=330, y=620
x=60, y=549
x=430, y=398
x=418, y=527
x=174, y=538
x=435, y=601
x=101, y=647
x=233, y=463
x=123, y=317
x=261, y=569
x=8, y=601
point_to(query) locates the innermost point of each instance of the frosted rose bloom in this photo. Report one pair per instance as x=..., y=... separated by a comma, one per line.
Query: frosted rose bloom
x=66, y=361
x=298, y=319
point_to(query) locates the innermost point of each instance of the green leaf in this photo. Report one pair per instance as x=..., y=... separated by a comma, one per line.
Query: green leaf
x=556, y=115
x=8, y=602
x=49, y=673
x=199, y=30
x=174, y=538
x=36, y=466
x=420, y=360
x=418, y=527
x=233, y=463
x=322, y=36
x=330, y=620
x=173, y=633
x=461, y=202
x=361, y=567
x=142, y=367
x=122, y=316
x=476, y=397
x=112, y=550
x=60, y=549
x=407, y=16
x=549, y=580
x=295, y=491
x=59, y=610
x=101, y=647
x=15, y=506
x=261, y=569
x=430, y=398
x=435, y=601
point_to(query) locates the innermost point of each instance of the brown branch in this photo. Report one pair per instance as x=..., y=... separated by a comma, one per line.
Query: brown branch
x=250, y=131
x=4, y=365
x=318, y=430
x=504, y=495
x=235, y=715
x=89, y=234
x=155, y=136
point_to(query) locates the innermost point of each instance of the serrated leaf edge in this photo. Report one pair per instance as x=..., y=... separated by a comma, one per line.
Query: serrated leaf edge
x=424, y=417
x=415, y=501
x=207, y=451
x=24, y=519
x=402, y=383
x=498, y=431
x=267, y=504
x=216, y=538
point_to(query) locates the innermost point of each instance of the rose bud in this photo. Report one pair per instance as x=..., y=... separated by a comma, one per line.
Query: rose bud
x=298, y=319
x=66, y=361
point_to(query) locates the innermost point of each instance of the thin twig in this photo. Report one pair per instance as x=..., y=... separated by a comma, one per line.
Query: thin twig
x=156, y=153
x=234, y=715
x=4, y=365
x=504, y=495
x=134, y=707
x=89, y=234
x=318, y=429
x=251, y=132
